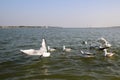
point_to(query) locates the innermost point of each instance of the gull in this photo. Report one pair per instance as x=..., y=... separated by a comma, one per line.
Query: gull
x=41, y=52
x=51, y=49
x=86, y=54
x=104, y=43
x=66, y=49
x=108, y=54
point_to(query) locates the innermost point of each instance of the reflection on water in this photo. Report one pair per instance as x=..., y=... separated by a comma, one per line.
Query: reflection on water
x=15, y=65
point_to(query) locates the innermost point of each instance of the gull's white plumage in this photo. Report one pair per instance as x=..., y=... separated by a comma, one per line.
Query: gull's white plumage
x=41, y=52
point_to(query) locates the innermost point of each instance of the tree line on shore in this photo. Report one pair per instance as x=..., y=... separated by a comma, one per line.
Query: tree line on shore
x=29, y=27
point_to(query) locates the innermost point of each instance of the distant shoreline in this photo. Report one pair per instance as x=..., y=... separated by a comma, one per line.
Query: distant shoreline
x=7, y=27
x=45, y=27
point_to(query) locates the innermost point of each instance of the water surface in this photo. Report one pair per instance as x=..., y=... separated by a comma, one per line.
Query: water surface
x=15, y=65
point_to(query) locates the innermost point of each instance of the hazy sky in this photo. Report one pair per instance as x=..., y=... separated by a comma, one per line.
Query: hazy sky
x=65, y=13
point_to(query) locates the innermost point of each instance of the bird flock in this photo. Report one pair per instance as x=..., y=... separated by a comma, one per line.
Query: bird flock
x=45, y=51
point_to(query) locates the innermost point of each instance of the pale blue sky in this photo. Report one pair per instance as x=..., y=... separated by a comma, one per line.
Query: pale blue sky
x=65, y=13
